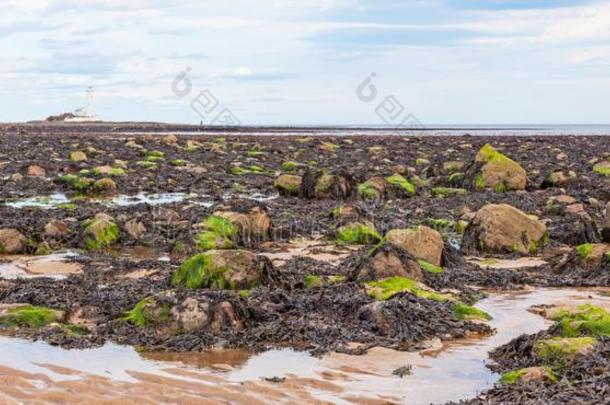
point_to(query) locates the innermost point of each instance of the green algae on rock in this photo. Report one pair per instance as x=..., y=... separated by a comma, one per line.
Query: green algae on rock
x=101, y=232
x=401, y=183
x=218, y=233
x=221, y=269
x=463, y=312
x=529, y=374
x=288, y=184
x=586, y=320
x=560, y=350
x=358, y=234
x=29, y=316
x=497, y=171
x=385, y=289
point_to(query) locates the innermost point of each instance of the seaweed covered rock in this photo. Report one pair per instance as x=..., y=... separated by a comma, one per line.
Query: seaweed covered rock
x=494, y=170
x=105, y=187
x=558, y=178
x=358, y=233
x=288, y=184
x=400, y=186
x=224, y=269
x=171, y=313
x=338, y=185
x=373, y=189
x=527, y=375
x=11, y=241
x=504, y=229
x=387, y=261
x=101, y=232
x=26, y=315
x=226, y=229
x=422, y=242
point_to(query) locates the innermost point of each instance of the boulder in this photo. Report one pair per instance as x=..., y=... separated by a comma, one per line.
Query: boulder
x=135, y=228
x=105, y=186
x=190, y=315
x=101, y=232
x=422, y=242
x=170, y=140
x=11, y=241
x=223, y=269
x=36, y=171
x=373, y=189
x=57, y=228
x=494, y=170
x=321, y=185
x=252, y=226
x=288, y=184
x=503, y=228
x=78, y=156
x=558, y=179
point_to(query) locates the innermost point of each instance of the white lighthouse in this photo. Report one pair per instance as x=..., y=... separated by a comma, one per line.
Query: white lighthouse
x=86, y=113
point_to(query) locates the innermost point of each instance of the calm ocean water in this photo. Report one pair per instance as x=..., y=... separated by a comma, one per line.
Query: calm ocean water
x=432, y=130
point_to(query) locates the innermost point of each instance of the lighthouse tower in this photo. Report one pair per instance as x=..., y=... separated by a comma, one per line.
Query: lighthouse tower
x=86, y=113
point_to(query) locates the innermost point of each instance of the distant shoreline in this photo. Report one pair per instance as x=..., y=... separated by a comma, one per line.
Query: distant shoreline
x=138, y=128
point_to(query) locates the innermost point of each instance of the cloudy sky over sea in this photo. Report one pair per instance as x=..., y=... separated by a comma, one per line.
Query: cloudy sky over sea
x=302, y=61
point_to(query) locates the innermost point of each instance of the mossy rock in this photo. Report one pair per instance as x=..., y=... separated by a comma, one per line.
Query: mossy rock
x=561, y=351
x=400, y=183
x=358, y=234
x=430, y=268
x=78, y=156
x=290, y=166
x=148, y=311
x=218, y=233
x=587, y=320
x=101, y=232
x=29, y=316
x=528, y=375
x=219, y=269
x=288, y=184
x=77, y=183
x=372, y=189
x=498, y=172
x=602, y=169
x=105, y=187
x=108, y=171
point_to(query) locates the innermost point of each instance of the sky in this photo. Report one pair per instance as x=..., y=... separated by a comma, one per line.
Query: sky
x=309, y=62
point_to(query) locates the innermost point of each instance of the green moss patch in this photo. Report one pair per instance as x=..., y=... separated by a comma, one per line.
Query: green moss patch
x=585, y=320
x=77, y=183
x=30, y=316
x=516, y=376
x=368, y=191
x=289, y=166
x=584, y=250
x=200, y=271
x=357, y=234
x=147, y=312
x=385, y=289
x=559, y=350
x=463, y=311
x=101, y=233
x=602, y=169
x=399, y=181
x=429, y=267
x=218, y=233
